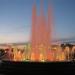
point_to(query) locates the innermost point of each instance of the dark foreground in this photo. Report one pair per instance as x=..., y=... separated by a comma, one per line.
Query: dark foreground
x=7, y=67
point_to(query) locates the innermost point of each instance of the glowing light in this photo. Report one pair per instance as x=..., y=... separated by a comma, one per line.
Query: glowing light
x=41, y=32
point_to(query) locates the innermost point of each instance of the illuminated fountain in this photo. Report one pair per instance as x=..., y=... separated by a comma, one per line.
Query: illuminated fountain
x=41, y=35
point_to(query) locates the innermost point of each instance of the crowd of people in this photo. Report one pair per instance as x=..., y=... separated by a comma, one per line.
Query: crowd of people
x=55, y=54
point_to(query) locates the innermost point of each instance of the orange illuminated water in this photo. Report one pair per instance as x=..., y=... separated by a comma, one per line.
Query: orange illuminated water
x=41, y=33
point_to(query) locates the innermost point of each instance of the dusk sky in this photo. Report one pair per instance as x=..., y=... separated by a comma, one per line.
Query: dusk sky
x=15, y=19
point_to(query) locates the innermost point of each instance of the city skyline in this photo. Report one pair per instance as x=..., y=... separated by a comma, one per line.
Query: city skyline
x=15, y=19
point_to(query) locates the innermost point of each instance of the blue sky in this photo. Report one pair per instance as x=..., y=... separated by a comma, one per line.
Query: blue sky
x=15, y=19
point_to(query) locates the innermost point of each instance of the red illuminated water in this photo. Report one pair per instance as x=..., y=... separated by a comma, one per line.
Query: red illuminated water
x=41, y=33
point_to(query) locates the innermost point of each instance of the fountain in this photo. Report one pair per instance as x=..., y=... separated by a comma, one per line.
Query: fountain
x=41, y=34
